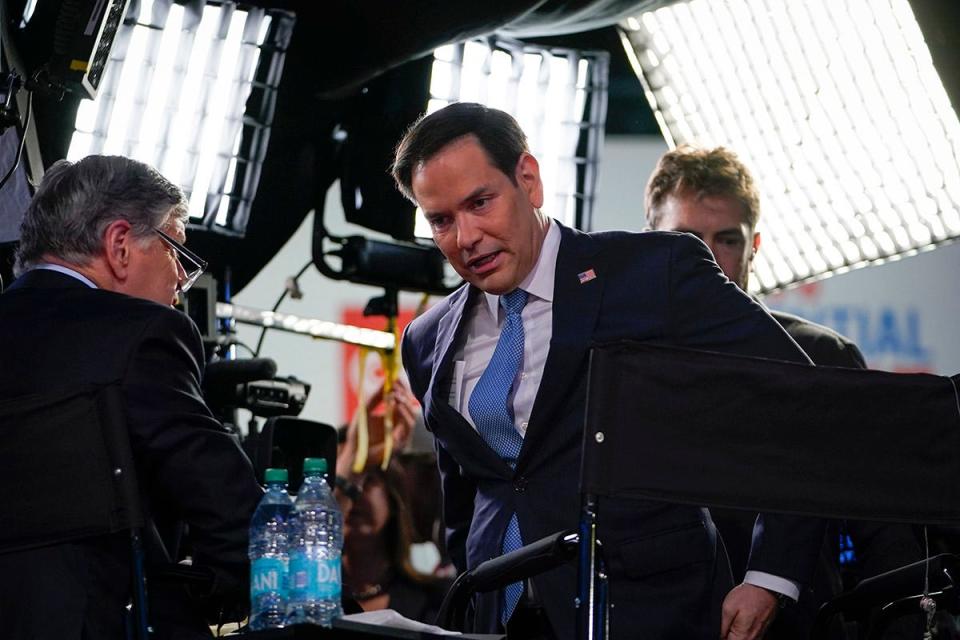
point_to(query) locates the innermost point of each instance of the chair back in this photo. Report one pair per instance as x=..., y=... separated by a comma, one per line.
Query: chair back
x=701, y=428
x=69, y=475
x=713, y=429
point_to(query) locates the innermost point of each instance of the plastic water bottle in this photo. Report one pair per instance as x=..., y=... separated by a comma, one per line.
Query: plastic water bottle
x=315, y=544
x=268, y=554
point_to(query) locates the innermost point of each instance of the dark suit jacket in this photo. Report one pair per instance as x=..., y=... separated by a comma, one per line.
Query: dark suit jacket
x=55, y=332
x=879, y=547
x=826, y=347
x=660, y=287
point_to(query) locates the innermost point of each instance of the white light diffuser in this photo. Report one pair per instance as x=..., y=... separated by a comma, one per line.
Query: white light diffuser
x=322, y=329
x=836, y=108
x=174, y=96
x=559, y=97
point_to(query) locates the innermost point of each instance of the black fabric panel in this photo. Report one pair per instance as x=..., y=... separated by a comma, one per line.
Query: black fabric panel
x=374, y=122
x=748, y=433
x=59, y=454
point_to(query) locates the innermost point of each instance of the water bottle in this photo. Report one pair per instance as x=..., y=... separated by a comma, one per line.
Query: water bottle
x=316, y=540
x=268, y=554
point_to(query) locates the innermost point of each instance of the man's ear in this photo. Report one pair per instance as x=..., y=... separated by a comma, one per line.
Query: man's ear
x=756, y=245
x=528, y=179
x=117, y=245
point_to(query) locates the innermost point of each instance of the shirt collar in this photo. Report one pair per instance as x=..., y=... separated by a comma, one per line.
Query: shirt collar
x=67, y=271
x=539, y=282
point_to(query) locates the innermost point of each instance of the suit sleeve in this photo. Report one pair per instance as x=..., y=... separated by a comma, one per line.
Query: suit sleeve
x=191, y=468
x=824, y=346
x=857, y=361
x=709, y=312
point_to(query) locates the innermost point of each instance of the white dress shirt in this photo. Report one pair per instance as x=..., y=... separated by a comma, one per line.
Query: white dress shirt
x=67, y=271
x=485, y=319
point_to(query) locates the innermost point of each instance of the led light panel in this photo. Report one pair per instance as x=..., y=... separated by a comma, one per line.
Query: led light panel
x=175, y=95
x=836, y=108
x=559, y=97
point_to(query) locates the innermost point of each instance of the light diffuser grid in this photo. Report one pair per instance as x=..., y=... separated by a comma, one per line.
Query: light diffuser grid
x=174, y=96
x=559, y=97
x=836, y=108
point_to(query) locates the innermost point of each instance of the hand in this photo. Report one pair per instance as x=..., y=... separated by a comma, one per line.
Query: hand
x=747, y=612
x=401, y=403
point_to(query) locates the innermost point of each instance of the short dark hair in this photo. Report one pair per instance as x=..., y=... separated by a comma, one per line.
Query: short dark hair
x=77, y=201
x=702, y=172
x=497, y=132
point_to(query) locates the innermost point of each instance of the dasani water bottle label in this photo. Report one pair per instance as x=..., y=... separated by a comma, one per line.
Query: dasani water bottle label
x=266, y=576
x=317, y=578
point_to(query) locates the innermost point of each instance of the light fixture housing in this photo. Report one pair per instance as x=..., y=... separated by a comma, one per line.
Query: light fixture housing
x=836, y=108
x=559, y=97
x=191, y=90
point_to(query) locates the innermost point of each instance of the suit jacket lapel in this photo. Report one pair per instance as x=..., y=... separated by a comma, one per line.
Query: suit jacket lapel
x=436, y=400
x=447, y=331
x=576, y=306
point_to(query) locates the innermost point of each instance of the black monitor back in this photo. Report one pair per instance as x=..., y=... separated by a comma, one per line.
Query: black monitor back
x=285, y=442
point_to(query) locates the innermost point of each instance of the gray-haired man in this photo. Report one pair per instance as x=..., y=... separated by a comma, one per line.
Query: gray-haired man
x=101, y=262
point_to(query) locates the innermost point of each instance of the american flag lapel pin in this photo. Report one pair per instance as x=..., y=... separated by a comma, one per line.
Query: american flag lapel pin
x=586, y=276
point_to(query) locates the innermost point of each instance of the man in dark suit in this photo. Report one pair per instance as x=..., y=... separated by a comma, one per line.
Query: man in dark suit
x=507, y=413
x=711, y=194
x=101, y=263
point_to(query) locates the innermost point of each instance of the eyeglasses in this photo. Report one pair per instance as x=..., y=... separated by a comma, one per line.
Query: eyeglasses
x=192, y=265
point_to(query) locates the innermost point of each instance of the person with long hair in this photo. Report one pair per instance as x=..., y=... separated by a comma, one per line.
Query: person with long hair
x=378, y=527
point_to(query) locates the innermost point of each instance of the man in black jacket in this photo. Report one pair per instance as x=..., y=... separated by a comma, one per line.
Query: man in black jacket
x=712, y=195
x=101, y=262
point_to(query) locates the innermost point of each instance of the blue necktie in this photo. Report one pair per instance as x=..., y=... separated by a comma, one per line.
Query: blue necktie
x=492, y=413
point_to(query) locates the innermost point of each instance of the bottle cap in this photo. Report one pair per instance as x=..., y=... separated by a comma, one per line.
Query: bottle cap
x=275, y=475
x=314, y=465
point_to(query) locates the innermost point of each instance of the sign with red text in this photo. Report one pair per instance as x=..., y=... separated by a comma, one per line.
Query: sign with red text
x=902, y=315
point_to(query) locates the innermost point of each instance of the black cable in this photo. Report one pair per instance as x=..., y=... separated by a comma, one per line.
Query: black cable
x=286, y=291
x=23, y=140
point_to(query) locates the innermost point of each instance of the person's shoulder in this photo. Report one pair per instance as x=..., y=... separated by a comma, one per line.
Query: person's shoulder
x=429, y=319
x=649, y=240
x=623, y=237
x=420, y=337
x=640, y=251
x=138, y=323
x=803, y=327
x=614, y=236
x=824, y=345
x=133, y=309
x=92, y=307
